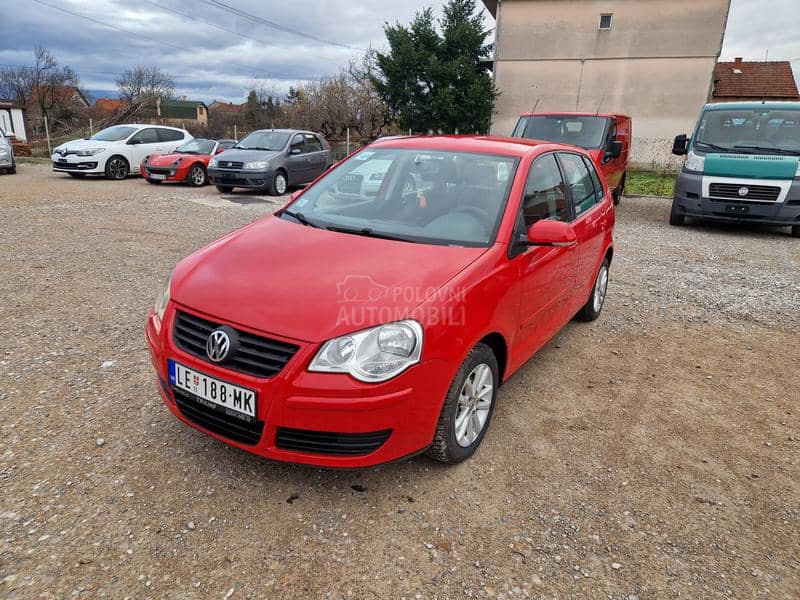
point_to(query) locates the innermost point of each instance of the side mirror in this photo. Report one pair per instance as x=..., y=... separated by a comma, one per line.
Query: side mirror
x=220, y=150
x=295, y=151
x=680, y=145
x=548, y=232
x=614, y=149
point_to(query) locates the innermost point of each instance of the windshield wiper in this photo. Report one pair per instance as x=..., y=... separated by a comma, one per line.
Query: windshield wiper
x=715, y=146
x=769, y=149
x=254, y=148
x=367, y=232
x=299, y=217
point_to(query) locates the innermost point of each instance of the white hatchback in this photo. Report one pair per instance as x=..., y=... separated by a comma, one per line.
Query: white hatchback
x=116, y=151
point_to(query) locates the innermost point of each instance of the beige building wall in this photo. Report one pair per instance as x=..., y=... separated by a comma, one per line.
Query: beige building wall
x=655, y=64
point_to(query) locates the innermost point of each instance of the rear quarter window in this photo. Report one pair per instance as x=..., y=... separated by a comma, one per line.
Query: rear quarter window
x=170, y=135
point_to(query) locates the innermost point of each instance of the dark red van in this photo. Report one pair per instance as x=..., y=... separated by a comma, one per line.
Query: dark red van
x=606, y=136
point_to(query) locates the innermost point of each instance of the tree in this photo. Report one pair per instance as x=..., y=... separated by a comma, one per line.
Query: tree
x=253, y=111
x=435, y=79
x=144, y=83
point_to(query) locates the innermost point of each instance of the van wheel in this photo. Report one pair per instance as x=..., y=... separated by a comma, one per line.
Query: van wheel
x=796, y=231
x=224, y=189
x=591, y=310
x=278, y=185
x=675, y=218
x=12, y=170
x=117, y=168
x=617, y=193
x=468, y=407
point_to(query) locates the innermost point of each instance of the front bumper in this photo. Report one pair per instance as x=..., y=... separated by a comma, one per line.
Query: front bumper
x=170, y=173
x=240, y=177
x=690, y=201
x=6, y=160
x=75, y=164
x=303, y=413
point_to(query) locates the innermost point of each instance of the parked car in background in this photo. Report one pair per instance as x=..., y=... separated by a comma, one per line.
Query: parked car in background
x=116, y=151
x=605, y=136
x=7, y=162
x=347, y=331
x=187, y=164
x=271, y=160
x=742, y=164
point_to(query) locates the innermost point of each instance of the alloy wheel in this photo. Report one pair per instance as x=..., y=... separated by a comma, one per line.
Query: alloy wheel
x=474, y=402
x=197, y=176
x=118, y=168
x=280, y=184
x=600, y=288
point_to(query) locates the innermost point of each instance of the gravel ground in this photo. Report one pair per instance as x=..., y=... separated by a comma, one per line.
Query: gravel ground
x=651, y=454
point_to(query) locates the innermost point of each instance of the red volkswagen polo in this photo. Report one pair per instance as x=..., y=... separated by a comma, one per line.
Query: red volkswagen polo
x=364, y=323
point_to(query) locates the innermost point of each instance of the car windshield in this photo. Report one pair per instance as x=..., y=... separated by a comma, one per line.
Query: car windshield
x=751, y=131
x=197, y=147
x=264, y=140
x=114, y=134
x=585, y=132
x=444, y=198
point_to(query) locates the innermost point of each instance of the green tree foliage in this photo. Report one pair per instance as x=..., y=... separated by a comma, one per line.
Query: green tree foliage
x=253, y=111
x=433, y=78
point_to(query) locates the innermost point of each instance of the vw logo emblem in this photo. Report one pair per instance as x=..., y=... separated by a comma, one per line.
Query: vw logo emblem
x=743, y=191
x=218, y=345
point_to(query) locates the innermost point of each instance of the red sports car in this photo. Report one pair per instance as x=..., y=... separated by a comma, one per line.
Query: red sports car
x=351, y=329
x=186, y=165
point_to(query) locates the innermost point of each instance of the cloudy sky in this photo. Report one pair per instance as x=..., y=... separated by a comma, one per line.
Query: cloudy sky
x=216, y=48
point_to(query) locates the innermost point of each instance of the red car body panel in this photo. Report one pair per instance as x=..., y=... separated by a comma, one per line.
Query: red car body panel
x=278, y=279
x=613, y=169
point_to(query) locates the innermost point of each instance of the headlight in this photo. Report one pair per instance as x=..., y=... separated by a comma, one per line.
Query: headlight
x=797, y=173
x=3, y=149
x=213, y=162
x=258, y=164
x=161, y=302
x=90, y=152
x=695, y=162
x=177, y=162
x=372, y=355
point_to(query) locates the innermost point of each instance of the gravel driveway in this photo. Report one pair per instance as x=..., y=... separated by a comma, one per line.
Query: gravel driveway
x=653, y=453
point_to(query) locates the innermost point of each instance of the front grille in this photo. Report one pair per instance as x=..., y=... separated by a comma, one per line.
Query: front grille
x=158, y=170
x=762, y=193
x=254, y=355
x=230, y=164
x=217, y=421
x=325, y=442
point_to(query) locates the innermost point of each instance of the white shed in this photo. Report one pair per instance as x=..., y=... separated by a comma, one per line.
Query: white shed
x=12, y=119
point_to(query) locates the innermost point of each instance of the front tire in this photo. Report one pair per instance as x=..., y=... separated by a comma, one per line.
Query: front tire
x=468, y=407
x=117, y=168
x=795, y=231
x=224, y=189
x=197, y=176
x=279, y=184
x=12, y=170
x=617, y=193
x=591, y=310
x=675, y=218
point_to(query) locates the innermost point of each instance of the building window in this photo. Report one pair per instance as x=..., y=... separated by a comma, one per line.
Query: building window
x=605, y=21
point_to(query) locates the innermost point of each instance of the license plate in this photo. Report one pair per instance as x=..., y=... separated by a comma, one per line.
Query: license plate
x=157, y=177
x=737, y=209
x=236, y=400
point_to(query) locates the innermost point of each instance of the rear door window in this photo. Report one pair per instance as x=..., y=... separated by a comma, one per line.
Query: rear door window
x=146, y=136
x=579, y=182
x=312, y=143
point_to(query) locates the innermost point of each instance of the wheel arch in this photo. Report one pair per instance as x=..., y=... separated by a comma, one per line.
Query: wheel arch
x=497, y=344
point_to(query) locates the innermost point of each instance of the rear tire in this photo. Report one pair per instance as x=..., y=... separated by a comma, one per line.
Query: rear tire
x=675, y=218
x=468, y=407
x=117, y=168
x=278, y=185
x=224, y=189
x=196, y=176
x=594, y=305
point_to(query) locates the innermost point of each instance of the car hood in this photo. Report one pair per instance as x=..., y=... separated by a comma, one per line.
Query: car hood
x=164, y=160
x=312, y=284
x=85, y=145
x=239, y=155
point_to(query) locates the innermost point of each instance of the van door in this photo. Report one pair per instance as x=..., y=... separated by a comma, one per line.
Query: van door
x=613, y=168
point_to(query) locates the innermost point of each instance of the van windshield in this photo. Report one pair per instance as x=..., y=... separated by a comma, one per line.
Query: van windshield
x=749, y=131
x=585, y=132
x=114, y=134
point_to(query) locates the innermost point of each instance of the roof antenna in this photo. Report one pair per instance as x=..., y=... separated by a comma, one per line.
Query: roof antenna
x=603, y=97
x=533, y=110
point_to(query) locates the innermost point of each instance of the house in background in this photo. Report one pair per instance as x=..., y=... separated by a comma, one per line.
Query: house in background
x=650, y=59
x=179, y=112
x=753, y=81
x=12, y=119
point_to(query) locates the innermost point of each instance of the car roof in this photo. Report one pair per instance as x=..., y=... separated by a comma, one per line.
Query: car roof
x=568, y=113
x=141, y=125
x=752, y=105
x=487, y=144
